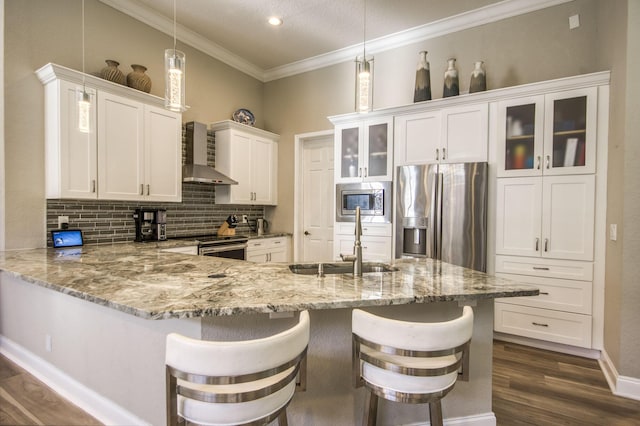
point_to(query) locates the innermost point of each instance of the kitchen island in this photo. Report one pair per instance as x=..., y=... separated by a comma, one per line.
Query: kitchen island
x=99, y=316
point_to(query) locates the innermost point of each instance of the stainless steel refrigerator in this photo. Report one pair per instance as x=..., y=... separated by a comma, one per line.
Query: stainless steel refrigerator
x=441, y=213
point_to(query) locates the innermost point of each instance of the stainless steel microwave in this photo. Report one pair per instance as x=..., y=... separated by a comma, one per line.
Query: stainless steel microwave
x=374, y=199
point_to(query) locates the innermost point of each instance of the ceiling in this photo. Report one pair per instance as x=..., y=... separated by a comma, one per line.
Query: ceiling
x=315, y=33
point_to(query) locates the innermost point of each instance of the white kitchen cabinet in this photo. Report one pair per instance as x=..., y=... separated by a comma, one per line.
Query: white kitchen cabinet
x=448, y=135
x=552, y=134
x=133, y=151
x=364, y=149
x=139, y=157
x=249, y=156
x=551, y=217
x=376, y=241
x=273, y=249
x=71, y=155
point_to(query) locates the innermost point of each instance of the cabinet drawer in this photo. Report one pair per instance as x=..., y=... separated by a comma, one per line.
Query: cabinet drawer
x=349, y=228
x=549, y=268
x=544, y=324
x=267, y=243
x=559, y=295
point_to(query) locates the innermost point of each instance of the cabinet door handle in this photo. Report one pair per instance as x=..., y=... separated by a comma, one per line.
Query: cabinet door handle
x=359, y=171
x=437, y=154
x=540, y=268
x=544, y=292
x=148, y=190
x=141, y=189
x=538, y=163
x=93, y=185
x=538, y=324
x=537, y=245
x=366, y=172
x=444, y=153
x=548, y=161
x=546, y=244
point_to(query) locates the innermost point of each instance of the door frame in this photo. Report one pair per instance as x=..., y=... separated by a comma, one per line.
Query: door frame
x=300, y=141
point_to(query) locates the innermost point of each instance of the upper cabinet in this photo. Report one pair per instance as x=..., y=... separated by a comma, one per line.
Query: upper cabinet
x=448, y=135
x=249, y=156
x=553, y=134
x=364, y=149
x=133, y=149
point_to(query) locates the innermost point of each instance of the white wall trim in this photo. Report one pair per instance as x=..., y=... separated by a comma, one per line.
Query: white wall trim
x=103, y=409
x=486, y=419
x=298, y=153
x=624, y=386
x=484, y=15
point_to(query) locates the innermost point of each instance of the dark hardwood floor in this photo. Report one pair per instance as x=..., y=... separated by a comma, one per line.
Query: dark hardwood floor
x=530, y=387
x=538, y=387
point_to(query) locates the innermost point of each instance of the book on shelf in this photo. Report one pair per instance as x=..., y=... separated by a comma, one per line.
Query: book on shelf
x=570, y=152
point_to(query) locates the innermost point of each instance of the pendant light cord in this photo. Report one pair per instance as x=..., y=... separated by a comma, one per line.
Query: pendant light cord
x=84, y=89
x=174, y=28
x=364, y=32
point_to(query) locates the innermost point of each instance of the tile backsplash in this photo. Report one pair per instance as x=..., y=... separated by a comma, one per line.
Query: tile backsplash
x=112, y=221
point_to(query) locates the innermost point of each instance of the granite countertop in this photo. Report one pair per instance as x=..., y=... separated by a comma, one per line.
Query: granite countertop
x=142, y=280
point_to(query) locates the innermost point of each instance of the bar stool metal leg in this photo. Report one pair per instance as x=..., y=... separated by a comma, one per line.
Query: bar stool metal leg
x=371, y=413
x=435, y=413
x=282, y=418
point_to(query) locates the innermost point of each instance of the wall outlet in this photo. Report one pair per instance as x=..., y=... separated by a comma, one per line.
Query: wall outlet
x=613, y=232
x=48, y=343
x=245, y=219
x=62, y=221
x=574, y=22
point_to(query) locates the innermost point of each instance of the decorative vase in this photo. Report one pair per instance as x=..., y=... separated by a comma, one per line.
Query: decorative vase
x=138, y=80
x=112, y=73
x=423, y=79
x=451, y=85
x=478, y=78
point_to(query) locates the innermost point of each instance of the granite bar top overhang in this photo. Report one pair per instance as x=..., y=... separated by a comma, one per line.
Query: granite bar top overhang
x=142, y=280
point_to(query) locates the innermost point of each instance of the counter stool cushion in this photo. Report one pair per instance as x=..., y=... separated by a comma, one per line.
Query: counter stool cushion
x=233, y=383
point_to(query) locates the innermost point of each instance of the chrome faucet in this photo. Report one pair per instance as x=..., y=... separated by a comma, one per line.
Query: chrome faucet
x=356, y=257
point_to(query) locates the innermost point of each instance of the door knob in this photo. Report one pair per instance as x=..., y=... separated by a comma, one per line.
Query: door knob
x=307, y=233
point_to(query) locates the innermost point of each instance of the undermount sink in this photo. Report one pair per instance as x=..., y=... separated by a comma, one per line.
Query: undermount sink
x=339, y=268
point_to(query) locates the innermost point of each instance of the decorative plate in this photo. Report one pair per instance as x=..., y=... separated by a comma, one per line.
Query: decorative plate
x=244, y=116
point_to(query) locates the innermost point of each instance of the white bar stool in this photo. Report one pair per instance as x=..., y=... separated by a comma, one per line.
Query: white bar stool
x=409, y=362
x=248, y=382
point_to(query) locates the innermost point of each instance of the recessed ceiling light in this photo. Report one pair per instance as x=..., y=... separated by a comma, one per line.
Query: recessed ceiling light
x=275, y=21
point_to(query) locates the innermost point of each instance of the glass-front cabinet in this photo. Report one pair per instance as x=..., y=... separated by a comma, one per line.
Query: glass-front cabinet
x=551, y=134
x=365, y=151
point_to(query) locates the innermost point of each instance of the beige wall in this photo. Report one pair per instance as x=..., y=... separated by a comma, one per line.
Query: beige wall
x=42, y=31
x=534, y=47
x=629, y=312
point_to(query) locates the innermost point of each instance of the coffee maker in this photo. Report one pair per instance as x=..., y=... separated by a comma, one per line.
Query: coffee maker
x=151, y=224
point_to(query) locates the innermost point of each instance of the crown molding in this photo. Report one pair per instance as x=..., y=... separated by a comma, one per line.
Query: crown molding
x=484, y=15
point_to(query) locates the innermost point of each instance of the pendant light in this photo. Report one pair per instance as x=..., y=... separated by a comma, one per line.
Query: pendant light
x=364, y=73
x=174, y=69
x=84, y=100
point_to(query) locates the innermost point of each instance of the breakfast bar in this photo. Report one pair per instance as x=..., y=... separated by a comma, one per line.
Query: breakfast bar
x=99, y=315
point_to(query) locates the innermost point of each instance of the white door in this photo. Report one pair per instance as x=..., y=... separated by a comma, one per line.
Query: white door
x=318, y=200
x=568, y=216
x=519, y=205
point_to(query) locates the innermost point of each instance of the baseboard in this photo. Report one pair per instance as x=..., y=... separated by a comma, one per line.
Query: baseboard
x=103, y=409
x=624, y=386
x=486, y=419
x=549, y=346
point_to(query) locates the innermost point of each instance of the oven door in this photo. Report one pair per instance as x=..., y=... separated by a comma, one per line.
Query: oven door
x=227, y=251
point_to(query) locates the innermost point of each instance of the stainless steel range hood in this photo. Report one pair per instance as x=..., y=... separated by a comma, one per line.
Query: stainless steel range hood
x=195, y=168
